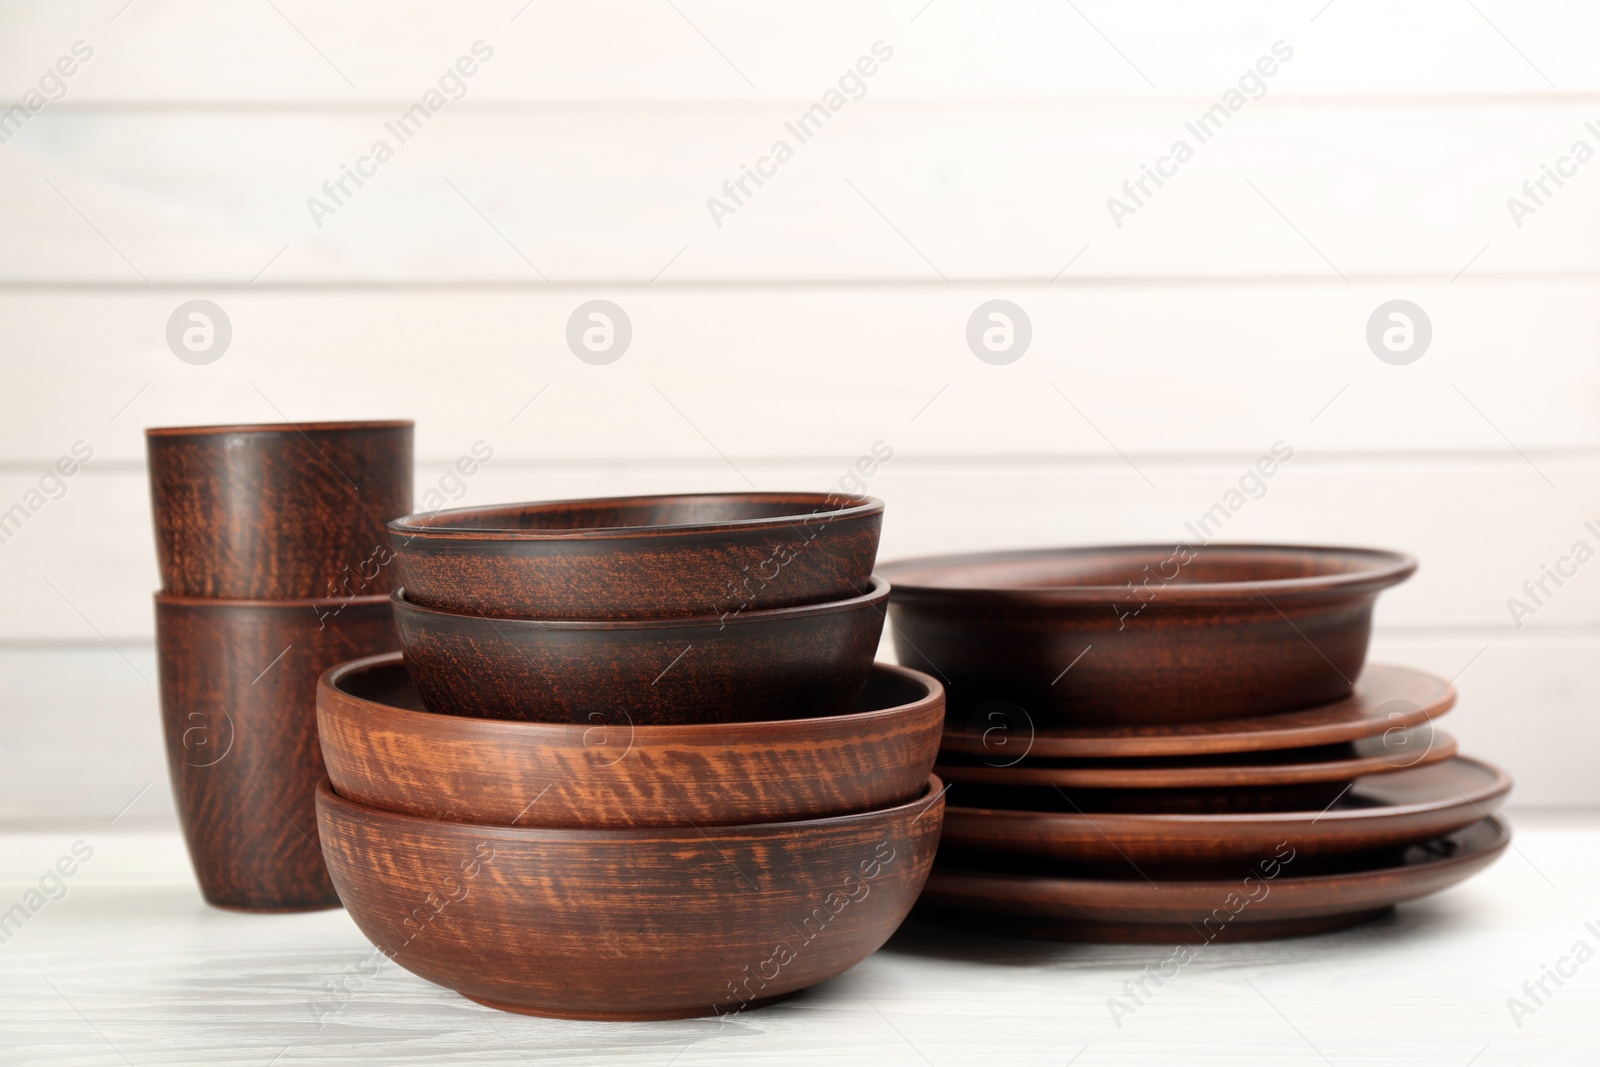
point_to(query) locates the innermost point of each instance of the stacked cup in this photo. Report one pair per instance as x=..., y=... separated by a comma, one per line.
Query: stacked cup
x=637, y=761
x=272, y=547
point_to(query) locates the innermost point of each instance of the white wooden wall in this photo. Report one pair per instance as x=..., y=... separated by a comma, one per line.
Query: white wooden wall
x=829, y=312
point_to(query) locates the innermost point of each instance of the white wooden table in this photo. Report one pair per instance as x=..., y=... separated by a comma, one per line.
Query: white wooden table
x=128, y=966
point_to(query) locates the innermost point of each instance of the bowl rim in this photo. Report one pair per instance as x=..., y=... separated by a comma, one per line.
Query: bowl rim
x=699, y=733
x=931, y=795
x=1499, y=785
x=1389, y=568
x=279, y=427
x=874, y=600
x=367, y=600
x=856, y=506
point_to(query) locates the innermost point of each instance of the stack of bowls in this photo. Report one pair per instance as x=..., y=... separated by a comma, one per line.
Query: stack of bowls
x=636, y=761
x=1171, y=743
x=272, y=548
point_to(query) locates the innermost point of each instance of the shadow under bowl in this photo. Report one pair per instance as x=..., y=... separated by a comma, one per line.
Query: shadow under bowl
x=780, y=663
x=1140, y=634
x=640, y=557
x=628, y=924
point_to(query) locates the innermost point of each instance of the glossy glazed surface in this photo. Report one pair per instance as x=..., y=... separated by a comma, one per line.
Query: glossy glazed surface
x=1265, y=899
x=1093, y=829
x=384, y=751
x=775, y=664
x=278, y=511
x=239, y=712
x=629, y=924
x=714, y=554
x=1135, y=635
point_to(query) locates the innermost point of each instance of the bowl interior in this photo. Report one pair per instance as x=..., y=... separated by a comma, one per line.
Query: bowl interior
x=389, y=684
x=1116, y=567
x=635, y=512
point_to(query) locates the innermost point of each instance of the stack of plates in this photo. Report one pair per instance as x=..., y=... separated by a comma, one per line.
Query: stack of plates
x=1156, y=744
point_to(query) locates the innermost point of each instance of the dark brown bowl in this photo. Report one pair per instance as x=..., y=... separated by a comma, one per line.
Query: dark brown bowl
x=782, y=663
x=1141, y=634
x=641, y=557
x=278, y=511
x=384, y=751
x=629, y=924
x=239, y=710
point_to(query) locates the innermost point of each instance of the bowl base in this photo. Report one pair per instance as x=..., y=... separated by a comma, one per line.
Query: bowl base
x=1155, y=933
x=626, y=1016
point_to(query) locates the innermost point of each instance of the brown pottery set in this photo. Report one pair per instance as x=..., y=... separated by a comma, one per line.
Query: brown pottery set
x=1184, y=744
x=272, y=545
x=636, y=761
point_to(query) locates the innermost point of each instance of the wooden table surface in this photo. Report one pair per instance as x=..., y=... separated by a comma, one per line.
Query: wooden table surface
x=127, y=966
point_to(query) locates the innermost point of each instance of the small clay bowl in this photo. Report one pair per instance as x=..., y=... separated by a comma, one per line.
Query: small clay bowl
x=238, y=707
x=1141, y=634
x=781, y=663
x=628, y=924
x=278, y=511
x=640, y=557
x=384, y=751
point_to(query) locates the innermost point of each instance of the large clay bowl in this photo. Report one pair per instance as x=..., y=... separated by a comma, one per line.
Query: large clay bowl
x=640, y=557
x=278, y=511
x=238, y=707
x=1093, y=830
x=1141, y=634
x=779, y=663
x=628, y=924
x=384, y=751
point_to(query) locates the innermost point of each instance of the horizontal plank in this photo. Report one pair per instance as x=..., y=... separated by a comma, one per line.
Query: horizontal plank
x=82, y=568
x=88, y=717
x=1144, y=370
x=720, y=49
x=925, y=192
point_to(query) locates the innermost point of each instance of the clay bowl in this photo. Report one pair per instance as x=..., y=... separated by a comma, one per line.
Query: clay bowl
x=278, y=511
x=384, y=751
x=641, y=557
x=1141, y=634
x=781, y=663
x=629, y=924
x=238, y=707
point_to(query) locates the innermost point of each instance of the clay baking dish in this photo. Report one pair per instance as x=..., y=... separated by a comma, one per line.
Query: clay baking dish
x=779, y=663
x=628, y=924
x=238, y=708
x=640, y=557
x=384, y=751
x=1141, y=634
x=278, y=511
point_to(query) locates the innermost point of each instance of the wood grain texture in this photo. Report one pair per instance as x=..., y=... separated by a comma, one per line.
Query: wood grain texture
x=383, y=751
x=1141, y=635
x=775, y=664
x=278, y=511
x=629, y=924
x=238, y=709
x=1394, y=750
x=1386, y=698
x=1095, y=831
x=1267, y=899
x=640, y=557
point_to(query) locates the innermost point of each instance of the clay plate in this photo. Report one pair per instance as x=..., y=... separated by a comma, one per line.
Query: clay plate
x=1265, y=900
x=1386, y=698
x=1380, y=811
x=384, y=751
x=1141, y=634
x=1396, y=750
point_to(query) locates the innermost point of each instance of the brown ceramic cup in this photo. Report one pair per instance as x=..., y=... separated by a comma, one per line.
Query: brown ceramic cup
x=278, y=511
x=238, y=707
